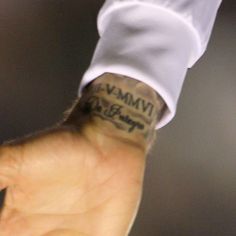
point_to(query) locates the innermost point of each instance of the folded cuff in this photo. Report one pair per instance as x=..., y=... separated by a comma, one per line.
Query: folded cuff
x=149, y=44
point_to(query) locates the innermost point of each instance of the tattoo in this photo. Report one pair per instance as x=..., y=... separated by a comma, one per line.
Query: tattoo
x=127, y=98
x=129, y=105
x=113, y=113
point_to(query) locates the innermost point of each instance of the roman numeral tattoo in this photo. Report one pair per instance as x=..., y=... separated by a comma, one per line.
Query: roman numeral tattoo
x=127, y=98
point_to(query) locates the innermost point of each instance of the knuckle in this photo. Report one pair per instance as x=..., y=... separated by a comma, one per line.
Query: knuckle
x=9, y=160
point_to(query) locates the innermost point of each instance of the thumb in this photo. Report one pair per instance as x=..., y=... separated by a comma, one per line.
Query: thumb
x=9, y=166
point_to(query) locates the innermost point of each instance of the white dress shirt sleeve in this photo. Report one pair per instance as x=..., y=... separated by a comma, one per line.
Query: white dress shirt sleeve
x=154, y=41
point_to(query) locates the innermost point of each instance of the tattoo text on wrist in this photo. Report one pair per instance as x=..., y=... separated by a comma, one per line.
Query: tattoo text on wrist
x=129, y=105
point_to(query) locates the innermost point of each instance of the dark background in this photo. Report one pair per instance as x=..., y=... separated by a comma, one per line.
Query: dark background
x=190, y=184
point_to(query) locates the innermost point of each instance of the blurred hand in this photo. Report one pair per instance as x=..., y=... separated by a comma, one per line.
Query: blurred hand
x=61, y=181
x=83, y=177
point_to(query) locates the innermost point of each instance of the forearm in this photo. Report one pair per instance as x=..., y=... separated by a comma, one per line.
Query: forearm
x=120, y=107
x=118, y=116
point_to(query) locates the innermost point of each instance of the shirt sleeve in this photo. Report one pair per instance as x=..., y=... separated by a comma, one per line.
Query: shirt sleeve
x=154, y=41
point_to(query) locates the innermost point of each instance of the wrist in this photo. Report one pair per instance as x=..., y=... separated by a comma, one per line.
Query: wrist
x=121, y=108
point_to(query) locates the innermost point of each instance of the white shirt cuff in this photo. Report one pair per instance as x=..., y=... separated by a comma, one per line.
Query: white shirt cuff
x=150, y=44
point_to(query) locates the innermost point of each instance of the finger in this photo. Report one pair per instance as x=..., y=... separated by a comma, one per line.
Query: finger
x=8, y=166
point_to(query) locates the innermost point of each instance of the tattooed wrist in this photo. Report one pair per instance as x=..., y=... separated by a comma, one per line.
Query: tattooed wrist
x=117, y=103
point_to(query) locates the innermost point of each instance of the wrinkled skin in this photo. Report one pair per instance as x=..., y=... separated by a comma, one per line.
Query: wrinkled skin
x=65, y=183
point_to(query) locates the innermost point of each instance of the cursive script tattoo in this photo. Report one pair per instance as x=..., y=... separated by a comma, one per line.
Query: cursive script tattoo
x=113, y=112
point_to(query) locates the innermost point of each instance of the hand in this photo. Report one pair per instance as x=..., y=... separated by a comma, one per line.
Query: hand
x=83, y=177
x=60, y=180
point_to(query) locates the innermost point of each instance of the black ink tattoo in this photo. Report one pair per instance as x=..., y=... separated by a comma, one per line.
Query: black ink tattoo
x=128, y=104
x=113, y=113
x=126, y=97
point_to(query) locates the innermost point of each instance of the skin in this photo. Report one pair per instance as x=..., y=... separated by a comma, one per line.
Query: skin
x=84, y=176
